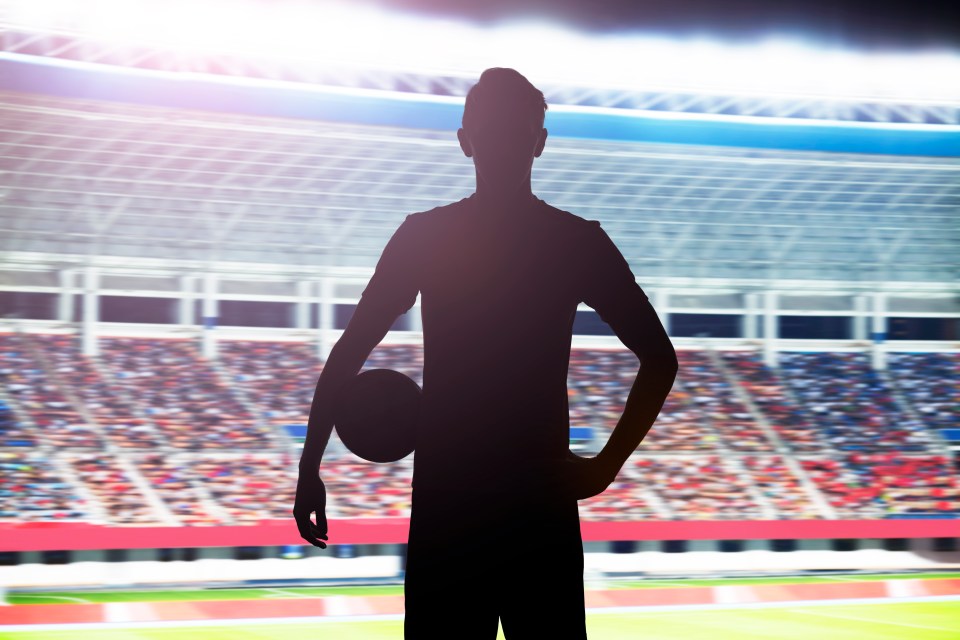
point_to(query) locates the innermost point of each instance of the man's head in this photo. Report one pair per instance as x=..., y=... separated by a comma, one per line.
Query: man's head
x=503, y=128
x=504, y=92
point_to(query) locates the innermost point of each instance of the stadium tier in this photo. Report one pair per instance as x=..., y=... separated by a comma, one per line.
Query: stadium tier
x=152, y=433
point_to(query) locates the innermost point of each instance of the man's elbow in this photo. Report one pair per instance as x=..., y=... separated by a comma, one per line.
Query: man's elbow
x=664, y=360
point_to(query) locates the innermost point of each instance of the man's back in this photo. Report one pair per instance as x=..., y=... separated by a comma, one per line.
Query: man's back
x=499, y=293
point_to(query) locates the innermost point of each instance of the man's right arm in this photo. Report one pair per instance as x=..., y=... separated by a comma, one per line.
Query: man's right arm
x=392, y=291
x=345, y=361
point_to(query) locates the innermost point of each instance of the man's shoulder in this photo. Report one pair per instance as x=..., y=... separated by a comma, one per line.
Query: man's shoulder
x=567, y=218
x=442, y=218
x=437, y=214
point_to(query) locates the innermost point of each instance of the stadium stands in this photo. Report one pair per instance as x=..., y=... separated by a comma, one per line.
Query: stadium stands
x=194, y=406
x=151, y=432
x=851, y=403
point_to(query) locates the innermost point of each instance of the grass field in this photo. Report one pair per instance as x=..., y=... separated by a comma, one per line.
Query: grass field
x=51, y=597
x=884, y=621
x=890, y=619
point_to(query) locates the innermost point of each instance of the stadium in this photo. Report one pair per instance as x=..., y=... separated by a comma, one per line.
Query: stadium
x=188, y=224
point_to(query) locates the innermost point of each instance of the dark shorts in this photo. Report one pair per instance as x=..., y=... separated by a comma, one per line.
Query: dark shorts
x=519, y=562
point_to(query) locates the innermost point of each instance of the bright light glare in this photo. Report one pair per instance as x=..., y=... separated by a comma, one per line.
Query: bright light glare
x=310, y=34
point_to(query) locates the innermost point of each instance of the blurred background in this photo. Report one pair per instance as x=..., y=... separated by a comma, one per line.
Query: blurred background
x=194, y=194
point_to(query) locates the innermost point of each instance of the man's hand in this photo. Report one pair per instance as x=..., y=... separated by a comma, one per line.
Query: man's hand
x=311, y=496
x=582, y=478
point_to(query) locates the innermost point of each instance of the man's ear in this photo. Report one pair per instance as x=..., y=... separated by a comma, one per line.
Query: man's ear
x=464, y=143
x=542, y=141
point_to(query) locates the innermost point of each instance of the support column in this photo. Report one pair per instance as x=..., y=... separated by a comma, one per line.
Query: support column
x=771, y=332
x=188, y=286
x=750, y=316
x=416, y=317
x=301, y=309
x=208, y=340
x=860, y=319
x=878, y=333
x=91, y=311
x=661, y=302
x=325, y=341
x=68, y=280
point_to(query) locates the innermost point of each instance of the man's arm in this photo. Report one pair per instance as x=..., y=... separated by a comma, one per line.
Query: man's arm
x=391, y=292
x=612, y=290
x=364, y=332
x=658, y=370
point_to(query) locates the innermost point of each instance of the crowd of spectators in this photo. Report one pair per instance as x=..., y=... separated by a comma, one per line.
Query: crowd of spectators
x=31, y=489
x=598, y=381
x=627, y=498
x=699, y=487
x=931, y=383
x=114, y=490
x=179, y=391
x=13, y=433
x=250, y=487
x=405, y=358
x=714, y=397
x=279, y=377
x=850, y=404
x=34, y=390
x=790, y=422
x=174, y=479
x=850, y=494
x=909, y=484
x=357, y=488
x=680, y=427
x=880, y=485
x=677, y=472
x=781, y=487
x=105, y=403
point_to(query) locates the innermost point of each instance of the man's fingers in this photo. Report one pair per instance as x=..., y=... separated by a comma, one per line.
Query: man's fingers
x=313, y=540
x=311, y=532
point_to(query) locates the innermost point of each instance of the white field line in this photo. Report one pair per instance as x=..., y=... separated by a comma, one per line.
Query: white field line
x=283, y=593
x=67, y=598
x=158, y=624
x=870, y=620
x=682, y=608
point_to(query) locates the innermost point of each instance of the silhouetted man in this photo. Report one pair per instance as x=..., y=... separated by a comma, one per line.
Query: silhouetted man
x=494, y=525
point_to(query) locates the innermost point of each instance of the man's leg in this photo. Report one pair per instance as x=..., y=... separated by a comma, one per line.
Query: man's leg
x=542, y=577
x=447, y=590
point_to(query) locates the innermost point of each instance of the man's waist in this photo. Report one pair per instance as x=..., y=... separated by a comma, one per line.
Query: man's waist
x=503, y=471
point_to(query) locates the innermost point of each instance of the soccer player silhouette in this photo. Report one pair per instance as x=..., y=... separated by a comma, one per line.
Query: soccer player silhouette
x=494, y=523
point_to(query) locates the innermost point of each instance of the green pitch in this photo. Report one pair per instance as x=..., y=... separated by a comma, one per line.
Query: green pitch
x=883, y=621
x=63, y=597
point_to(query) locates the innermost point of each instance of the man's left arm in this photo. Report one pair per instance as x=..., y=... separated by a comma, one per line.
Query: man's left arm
x=610, y=288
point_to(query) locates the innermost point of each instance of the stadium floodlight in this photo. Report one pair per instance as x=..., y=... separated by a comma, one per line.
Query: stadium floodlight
x=316, y=34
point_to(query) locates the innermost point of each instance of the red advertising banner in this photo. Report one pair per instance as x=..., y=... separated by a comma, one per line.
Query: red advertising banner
x=39, y=536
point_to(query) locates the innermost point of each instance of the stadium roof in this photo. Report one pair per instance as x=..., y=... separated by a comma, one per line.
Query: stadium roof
x=360, y=46
x=176, y=142
x=94, y=178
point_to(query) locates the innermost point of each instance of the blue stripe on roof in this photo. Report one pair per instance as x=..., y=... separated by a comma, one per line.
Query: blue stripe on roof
x=254, y=96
